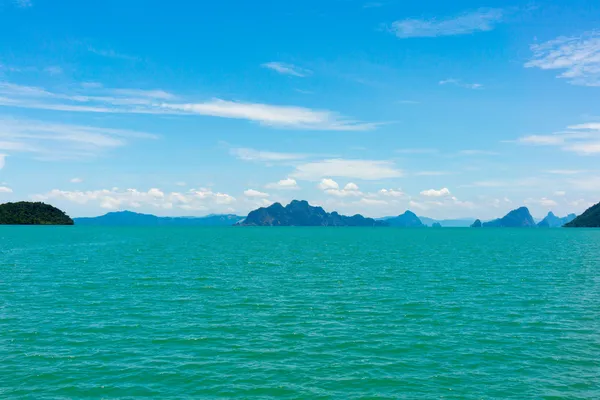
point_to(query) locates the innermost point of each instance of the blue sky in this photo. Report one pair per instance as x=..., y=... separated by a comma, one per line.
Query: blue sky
x=450, y=109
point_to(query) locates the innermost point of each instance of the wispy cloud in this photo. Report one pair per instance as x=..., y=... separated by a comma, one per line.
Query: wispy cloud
x=287, y=69
x=53, y=70
x=255, y=193
x=358, y=169
x=583, y=139
x=578, y=56
x=247, y=154
x=48, y=140
x=459, y=83
x=23, y=3
x=136, y=101
x=480, y=20
x=111, y=54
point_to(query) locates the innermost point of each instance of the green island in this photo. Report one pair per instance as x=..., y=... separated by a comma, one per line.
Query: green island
x=32, y=213
x=589, y=219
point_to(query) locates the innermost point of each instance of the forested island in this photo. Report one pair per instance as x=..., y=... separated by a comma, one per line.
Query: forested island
x=29, y=213
x=589, y=219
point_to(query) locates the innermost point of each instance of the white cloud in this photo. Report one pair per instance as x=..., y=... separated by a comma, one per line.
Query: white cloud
x=391, y=193
x=331, y=188
x=2, y=160
x=4, y=189
x=358, y=169
x=272, y=115
x=458, y=82
x=255, y=193
x=135, y=101
x=577, y=56
x=560, y=193
x=588, y=148
x=287, y=69
x=247, y=154
x=195, y=199
x=76, y=180
x=436, y=193
x=483, y=19
x=49, y=140
x=544, y=202
x=583, y=139
x=182, y=184
x=284, y=184
x=327, y=184
x=542, y=140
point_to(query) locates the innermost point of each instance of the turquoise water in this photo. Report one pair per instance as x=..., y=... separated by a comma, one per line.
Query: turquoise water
x=305, y=313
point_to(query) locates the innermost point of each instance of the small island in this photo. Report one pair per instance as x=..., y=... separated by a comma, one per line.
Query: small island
x=29, y=213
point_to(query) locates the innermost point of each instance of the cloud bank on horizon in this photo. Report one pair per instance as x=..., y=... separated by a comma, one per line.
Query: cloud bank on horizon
x=463, y=110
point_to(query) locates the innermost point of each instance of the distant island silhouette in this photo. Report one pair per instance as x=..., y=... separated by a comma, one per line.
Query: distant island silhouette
x=296, y=213
x=129, y=218
x=300, y=213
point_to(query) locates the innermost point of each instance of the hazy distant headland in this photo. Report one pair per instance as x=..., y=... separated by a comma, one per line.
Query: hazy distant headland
x=129, y=218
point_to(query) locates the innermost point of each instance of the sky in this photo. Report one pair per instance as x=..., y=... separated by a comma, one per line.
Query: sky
x=449, y=109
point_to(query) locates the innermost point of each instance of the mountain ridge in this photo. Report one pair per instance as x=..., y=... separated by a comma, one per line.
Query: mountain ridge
x=130, y=218
x=301, y=213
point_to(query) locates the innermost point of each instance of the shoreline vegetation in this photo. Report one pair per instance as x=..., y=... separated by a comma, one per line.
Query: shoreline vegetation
x=29, y=213
x=297, y=213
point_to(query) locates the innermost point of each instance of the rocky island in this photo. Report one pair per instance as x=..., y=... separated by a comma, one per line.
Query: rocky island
x=552, y=221
x=477, y=224
x=28, y=213
x=300, y=213
x=519, y=218
x=406, y=220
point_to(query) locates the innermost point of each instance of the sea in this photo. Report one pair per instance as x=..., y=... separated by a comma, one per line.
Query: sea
x=299, y=313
